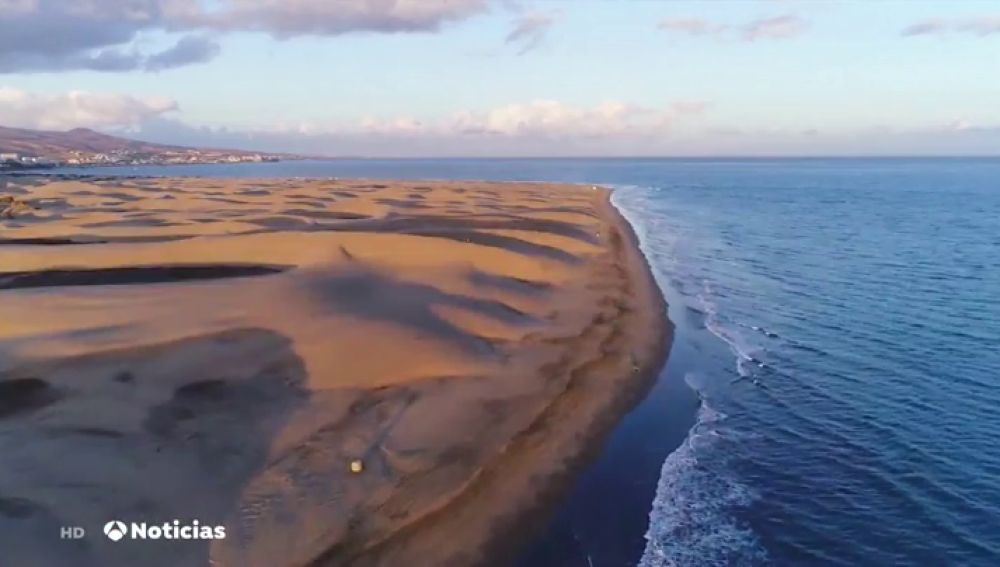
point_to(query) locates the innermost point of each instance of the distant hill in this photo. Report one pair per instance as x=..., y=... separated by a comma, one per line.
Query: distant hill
x=58, y=145
x=47, y=143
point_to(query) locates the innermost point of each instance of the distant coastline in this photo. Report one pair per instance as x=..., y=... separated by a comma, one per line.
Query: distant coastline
x=43, y=164
x=24, y=149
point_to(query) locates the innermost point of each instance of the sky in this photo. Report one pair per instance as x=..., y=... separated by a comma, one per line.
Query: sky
x=416, y=78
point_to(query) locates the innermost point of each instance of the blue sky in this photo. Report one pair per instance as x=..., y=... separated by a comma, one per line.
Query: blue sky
x=475, y=77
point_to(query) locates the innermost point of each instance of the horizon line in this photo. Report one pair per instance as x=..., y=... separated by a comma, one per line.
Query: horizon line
x=663, y=157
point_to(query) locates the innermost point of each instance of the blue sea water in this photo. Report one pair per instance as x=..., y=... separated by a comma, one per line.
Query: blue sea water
x=838, y=328
x=856, y=420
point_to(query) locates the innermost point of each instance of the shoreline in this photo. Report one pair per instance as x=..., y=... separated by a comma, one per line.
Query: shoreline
x=631, y=462
x=513, y=521
x=514, y=308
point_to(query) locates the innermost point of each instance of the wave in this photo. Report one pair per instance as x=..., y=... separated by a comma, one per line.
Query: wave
x=641, y=232
x=746, y=352
x=658, y=250
x=692, y=522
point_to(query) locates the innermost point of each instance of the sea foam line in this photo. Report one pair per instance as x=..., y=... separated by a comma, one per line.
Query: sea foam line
x=690, y=522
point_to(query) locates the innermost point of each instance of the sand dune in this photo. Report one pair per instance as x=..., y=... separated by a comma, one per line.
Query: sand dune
x=224, y=349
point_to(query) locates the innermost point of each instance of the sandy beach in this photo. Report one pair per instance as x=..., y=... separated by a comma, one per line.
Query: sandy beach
x=227, y=350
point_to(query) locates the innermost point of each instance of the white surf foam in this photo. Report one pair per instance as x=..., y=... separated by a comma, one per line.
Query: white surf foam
x=692, y=521
x=744, y=350
x=660, y=250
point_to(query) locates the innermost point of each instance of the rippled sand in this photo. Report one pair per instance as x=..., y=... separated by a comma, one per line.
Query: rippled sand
x=224, y=349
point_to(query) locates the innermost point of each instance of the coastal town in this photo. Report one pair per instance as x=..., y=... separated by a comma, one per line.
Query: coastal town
x=17, y=160
x=22, y=148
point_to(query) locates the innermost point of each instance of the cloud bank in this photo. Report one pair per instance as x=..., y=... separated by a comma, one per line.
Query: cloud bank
x=290, y=18
x=777, y=27
x=408, y=138
x=523, y=128
x=75, y=109
x=531, y=128
x=537, y=119
x=981, y=26
x=104, y=35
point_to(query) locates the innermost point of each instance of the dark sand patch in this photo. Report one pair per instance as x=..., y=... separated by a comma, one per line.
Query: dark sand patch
x=131, y=275
x=24, y=395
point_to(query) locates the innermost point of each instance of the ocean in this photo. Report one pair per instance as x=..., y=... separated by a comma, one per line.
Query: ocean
x=833, y=390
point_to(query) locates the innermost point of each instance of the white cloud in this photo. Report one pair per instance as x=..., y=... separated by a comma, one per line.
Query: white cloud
x=529, y=31
x=397, y=127
x=690, y=106
x=691, y=26
x=981, y=26
x=550, y=119
x=925, y=27
x=76, y=109
x=537, y=119
x=776, y=27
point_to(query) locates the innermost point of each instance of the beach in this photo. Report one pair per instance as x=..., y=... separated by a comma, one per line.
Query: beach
x=337, y=371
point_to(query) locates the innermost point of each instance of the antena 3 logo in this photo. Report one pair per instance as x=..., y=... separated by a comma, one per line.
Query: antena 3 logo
x=117, y=531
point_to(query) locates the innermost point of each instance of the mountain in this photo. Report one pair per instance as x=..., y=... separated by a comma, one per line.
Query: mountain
x=84, y=142
x=53, y=144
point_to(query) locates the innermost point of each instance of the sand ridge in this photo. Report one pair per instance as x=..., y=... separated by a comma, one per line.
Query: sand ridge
x=223, y=349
